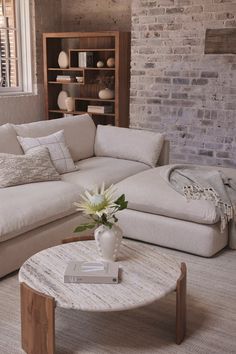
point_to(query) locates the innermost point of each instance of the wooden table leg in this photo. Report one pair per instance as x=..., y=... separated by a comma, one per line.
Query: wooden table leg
x=181, y=304
x=37, y=321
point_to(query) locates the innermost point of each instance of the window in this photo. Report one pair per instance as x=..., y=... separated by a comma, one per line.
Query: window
x=15, y=51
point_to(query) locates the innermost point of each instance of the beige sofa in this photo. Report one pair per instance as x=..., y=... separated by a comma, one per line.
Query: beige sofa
x=39, y=215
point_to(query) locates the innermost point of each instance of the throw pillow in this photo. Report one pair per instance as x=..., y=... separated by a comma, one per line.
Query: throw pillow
x=59, y=152
x=130, y=144
x=22, y=169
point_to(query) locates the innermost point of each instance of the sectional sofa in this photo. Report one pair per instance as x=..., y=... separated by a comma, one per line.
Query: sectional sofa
x=39, y=215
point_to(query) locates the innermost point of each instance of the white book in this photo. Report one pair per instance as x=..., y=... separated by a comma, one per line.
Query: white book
x=97, y=272
x=85, y=59
x=99, y=109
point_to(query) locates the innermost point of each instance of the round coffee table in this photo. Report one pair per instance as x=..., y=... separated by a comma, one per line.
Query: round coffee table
x=146, y=275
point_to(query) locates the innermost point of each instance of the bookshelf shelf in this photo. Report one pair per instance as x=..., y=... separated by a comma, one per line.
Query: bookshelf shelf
x=80, y=112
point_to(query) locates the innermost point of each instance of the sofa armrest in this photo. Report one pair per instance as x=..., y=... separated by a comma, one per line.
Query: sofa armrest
x=164, y=154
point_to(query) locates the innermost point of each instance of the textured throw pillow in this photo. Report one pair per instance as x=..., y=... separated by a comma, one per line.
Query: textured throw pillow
x=22, y=169
x=130, y=144
x=59, y=152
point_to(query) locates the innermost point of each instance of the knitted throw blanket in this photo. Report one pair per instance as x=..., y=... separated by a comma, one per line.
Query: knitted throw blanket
x=200, y=182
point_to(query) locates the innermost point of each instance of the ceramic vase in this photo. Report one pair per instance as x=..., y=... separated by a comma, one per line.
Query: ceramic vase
x=108, y=241
x=70, y=104
x=100, y=64
x=63, y=60
x=111, y=62
x=106, y=94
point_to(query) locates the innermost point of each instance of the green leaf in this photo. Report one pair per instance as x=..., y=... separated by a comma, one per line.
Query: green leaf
x=84, y=227
x=104, y=219
x=115, y=218
x=121, y=202
x=123, y=205
x=109, y=224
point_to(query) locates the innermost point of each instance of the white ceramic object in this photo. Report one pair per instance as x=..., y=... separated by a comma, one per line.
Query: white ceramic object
x=80, y=79
x=108, y=241
x=63, y=60
x=61, y=100
x=100, y=64
x=106, y=94
x=111, y=62
x=70, y=104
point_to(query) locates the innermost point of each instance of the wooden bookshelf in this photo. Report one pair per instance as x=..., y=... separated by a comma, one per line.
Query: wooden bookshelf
x=103, y=45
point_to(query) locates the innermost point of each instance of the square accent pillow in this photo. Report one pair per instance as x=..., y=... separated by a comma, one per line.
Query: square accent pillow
x=22, y=169
x=59, y=152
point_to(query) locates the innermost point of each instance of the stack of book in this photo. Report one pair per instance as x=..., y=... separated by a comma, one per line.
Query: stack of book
x=85, y=59
x=65, y=78
x=99, y=109
x=98, y=272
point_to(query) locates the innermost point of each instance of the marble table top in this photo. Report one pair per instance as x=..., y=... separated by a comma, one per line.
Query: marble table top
x=146, y=275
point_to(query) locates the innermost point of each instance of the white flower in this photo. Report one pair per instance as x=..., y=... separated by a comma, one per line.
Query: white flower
x=101, y=201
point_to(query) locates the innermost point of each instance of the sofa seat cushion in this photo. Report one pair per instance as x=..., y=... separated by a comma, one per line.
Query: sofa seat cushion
x=27, y=207
x=96, y=170
x=150, y=193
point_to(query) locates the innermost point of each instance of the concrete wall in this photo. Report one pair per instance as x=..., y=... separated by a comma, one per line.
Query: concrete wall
x=175, y=87
x=28, y=108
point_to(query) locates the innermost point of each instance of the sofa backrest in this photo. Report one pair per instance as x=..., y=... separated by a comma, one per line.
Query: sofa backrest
x=79, y=133
x=8, y=140
x=130, y=144
x=164, y=154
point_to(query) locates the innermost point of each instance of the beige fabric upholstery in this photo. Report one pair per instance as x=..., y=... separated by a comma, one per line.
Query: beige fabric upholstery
x=27, y=207
x=150, y=193
x=96, y=170
x=8, y=140
x=79, y=133
x=131, y=144
x=59, y=152
x=203, y=240
x=21, y=169
x=14, y=252
x=164, y=154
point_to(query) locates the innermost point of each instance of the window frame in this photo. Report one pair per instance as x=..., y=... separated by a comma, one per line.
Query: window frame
x=23, y=44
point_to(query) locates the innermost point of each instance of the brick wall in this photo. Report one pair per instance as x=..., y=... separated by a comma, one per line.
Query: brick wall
x=177, y=89
x=96, y=15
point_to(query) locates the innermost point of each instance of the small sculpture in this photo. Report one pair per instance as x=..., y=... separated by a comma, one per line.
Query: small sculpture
x=100, y=64
x=110, y=62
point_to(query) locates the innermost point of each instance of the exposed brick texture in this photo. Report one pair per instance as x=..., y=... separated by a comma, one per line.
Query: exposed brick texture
x=175, y=87
x=96, y=15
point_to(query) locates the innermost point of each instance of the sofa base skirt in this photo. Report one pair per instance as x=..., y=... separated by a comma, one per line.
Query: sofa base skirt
x=14, y=252
x=199, y=239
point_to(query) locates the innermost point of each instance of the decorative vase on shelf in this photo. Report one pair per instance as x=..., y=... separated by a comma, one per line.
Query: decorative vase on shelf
x=100, y=64
x=70, y=104
x=108, y=241
x=61, y=100
x=106, y=94
x=63, y=60
x=111, y=62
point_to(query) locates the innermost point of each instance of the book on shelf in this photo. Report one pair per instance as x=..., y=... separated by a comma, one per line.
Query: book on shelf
x=85, y=59
x=97, y=272
x=66, y=78
x=99, y=109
